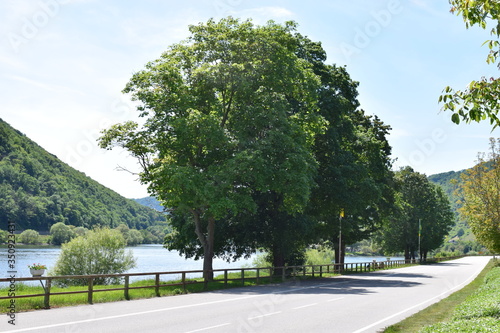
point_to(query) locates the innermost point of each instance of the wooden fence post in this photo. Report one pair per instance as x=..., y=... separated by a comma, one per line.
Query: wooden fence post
x=157, y=284
x=46, y=298
x=258, y=275
x=91, y=290
x=184, y=281
x=225, y=278
x=127, y=296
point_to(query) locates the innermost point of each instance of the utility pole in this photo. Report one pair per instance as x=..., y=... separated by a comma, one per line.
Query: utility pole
x=341, y=215
x=419, y=236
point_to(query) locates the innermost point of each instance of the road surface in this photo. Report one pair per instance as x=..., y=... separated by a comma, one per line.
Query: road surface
x=365, y=302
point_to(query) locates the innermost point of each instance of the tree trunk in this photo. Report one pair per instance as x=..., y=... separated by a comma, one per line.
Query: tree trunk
x=207, y=241
x=278, y=261
x=407, y=254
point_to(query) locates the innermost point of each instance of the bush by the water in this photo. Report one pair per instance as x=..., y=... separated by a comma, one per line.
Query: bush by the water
x=99, y=251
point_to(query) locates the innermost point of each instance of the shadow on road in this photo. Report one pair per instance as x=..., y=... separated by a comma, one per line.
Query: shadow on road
x=334, y=286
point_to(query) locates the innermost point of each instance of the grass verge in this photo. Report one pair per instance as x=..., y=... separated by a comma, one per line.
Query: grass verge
x=442, y=311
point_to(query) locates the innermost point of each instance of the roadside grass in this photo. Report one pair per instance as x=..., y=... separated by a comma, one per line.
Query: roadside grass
x=442, y=313
x=194, y=285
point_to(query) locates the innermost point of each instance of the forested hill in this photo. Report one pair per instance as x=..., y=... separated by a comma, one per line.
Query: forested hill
x=37, y=190
x=450, y=182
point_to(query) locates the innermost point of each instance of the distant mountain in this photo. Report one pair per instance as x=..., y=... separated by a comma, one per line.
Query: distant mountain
x=150, y=202
x=37, y=190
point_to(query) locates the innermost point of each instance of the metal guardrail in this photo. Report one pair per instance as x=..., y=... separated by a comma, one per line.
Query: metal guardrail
x=286, y=272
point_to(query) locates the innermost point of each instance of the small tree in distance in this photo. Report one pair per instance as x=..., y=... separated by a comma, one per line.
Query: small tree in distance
x=61, y=233
x=99, y=251
x=29, y=236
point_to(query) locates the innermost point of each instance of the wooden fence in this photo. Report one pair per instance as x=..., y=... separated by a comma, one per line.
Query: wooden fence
x=287, y=272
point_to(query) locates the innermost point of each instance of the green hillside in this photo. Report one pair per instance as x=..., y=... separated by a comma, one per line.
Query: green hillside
x=460, y=238
x=38, y=190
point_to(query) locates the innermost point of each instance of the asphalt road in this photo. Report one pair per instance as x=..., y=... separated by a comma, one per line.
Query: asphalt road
x=356, y=303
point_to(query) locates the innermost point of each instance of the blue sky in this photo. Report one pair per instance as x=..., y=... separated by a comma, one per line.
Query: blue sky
x=63, y=64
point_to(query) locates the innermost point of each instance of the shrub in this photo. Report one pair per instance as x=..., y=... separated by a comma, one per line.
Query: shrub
x=323, y=256
x=61, y=233
x=261, y=260
x=100, y=251
x=29, y=236
x=3, y=236
x=134, y=237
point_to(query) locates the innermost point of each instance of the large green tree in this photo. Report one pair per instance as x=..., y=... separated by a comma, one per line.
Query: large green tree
x=229, y=112
x=353, y=154
x=481, y=198
x=479, y=101
x=421, y=219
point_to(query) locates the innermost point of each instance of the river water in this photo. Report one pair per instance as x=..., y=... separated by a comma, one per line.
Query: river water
x=150, y=258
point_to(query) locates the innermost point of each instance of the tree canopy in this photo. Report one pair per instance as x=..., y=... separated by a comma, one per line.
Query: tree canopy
x=481, y=197
x=229, y=112
x=479, y=101
x=421, y=218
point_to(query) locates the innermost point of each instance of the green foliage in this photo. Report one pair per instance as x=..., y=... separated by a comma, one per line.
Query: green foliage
x=477, y=325
x=353, y=155
x=134, y=237
x=3, y=236
x=482, y=198
x=460, y=238
x=261, y=260
x=29, y=236
x=37, y=190
x=231, y=113
x=320, y=256
x=479, y=101
x=100, y=251
x=61, y=233
x=419, y=204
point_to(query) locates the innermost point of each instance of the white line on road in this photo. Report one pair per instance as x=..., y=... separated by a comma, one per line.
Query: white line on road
x=265, y=315
x=305, y=306
x=209, y=328
x=335, y=299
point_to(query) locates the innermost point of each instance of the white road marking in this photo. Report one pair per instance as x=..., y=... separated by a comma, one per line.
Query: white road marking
x=305, y=306
x=265, y=315
x=335, y=299
x=209, y=328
